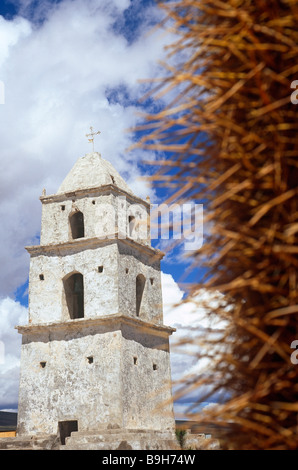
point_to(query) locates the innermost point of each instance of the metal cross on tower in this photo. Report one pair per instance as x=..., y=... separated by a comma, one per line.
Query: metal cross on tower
x=91, y=137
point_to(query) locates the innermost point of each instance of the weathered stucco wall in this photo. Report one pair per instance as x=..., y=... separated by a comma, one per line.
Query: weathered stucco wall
x=104, y=215
x=110, y=375
x=109, y=272
x=46, y=295
x=131, y=264
x=146, y=379
x=68, y=387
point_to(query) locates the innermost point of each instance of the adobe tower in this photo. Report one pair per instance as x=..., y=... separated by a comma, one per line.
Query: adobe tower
x=95, y=366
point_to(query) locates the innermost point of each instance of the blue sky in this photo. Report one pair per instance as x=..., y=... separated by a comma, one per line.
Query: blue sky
x=67, y=65
x=8, y=9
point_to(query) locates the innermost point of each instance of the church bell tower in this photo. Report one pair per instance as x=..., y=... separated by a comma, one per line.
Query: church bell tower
x=95, y=367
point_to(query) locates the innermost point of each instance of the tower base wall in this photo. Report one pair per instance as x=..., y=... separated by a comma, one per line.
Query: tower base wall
x=108, y=372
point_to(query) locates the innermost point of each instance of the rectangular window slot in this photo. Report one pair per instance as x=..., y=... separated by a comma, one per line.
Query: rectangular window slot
x=63, y=208
x=151, y=281
x=126, y=270
x=135, y=360
x=43, y=364
x=41, y=277
x=90, y=359
x=154, y=366
x=100, y=269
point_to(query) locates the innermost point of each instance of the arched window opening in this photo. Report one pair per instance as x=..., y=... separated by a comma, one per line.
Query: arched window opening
x=74, y=294
x=131, y=224
x=140, y=286
x=77, y=225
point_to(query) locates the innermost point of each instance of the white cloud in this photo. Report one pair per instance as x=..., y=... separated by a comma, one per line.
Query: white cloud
x=191, y=313
x=10, y=34
x=71, y=70
x=192, y=322
x=11, y=314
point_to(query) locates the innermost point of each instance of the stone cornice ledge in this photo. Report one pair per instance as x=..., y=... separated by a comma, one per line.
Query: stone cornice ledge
x=96, y=191
x=93, y=243
x=113, y=320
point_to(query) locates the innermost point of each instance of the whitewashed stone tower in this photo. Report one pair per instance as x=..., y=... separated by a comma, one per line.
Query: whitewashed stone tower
x=95, y=353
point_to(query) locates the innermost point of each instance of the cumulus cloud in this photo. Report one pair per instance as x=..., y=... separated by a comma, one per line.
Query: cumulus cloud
x=188, y=320
x=189, y=315
x=10, y=34
x=72, y=65
x=11, y=314
x=192, y=323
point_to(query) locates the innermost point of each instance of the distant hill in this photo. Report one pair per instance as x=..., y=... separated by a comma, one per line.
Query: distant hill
x=8, y=421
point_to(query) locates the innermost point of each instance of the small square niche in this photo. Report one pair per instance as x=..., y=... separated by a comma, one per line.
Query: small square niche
x=90, y=359
x=42, y=364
